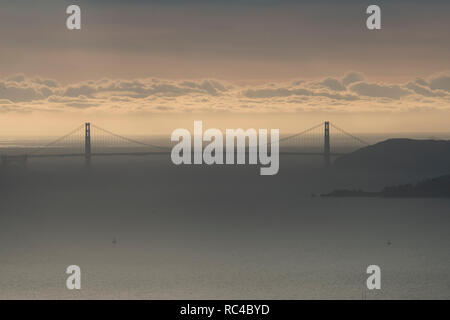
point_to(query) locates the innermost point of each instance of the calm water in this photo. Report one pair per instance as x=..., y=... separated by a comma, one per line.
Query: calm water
x=215, y=232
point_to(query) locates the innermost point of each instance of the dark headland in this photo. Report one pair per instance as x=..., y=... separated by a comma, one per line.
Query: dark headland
x=431, y=157
x=406, y=155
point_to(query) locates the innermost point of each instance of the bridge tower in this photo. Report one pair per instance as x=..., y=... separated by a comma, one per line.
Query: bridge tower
x=326, y=145
x=87, y=143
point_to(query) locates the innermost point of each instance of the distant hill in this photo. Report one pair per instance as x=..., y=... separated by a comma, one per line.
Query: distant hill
x=431, y=188
x=399, y=155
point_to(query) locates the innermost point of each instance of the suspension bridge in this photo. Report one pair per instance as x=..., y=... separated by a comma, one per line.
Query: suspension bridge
x=88, y=140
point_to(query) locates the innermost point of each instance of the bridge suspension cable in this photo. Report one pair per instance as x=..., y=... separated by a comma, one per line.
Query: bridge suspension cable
x=350, y=135
x=38, y=149
x=130, y=140
x=301, y=133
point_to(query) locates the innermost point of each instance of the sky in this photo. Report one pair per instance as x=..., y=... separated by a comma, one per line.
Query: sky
x=152, y=66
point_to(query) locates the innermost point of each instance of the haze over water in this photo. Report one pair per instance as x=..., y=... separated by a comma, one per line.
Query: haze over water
x=215, y=232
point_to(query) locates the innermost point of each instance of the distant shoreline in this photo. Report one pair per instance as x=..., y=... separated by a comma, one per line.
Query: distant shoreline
x=438, y=187
x=367, y=194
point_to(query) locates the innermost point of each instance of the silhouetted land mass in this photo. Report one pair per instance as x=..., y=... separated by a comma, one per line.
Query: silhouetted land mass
x=432, y=188
x=400, y=155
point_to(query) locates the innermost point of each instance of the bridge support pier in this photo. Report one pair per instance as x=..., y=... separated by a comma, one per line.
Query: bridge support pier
x=326, y=145
x=87, y=144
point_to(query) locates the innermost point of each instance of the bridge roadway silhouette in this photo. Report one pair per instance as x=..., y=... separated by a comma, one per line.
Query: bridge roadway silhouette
x=305, y=137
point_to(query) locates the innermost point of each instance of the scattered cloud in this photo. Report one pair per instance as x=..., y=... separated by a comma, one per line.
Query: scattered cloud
x=352, y=77
x=379, y=90
x=421, y=88
x=351, y=92
x=441, y=82
x=333, y=84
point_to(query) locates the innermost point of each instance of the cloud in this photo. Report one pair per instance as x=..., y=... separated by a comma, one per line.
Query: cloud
x=16, y=78
x=352, y=77
x=441, y=82
x=145, y=88
x=349, y=92
x=47, y=82
x=379, y=90
x=16, y=93
x=333, y=84
x=18, y=88
x=420, y=87
x=311, y=91
x=80, y=90
x=271, y=93
x=81, y=104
